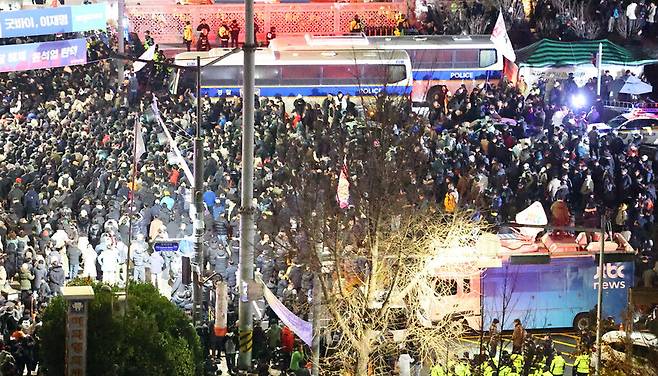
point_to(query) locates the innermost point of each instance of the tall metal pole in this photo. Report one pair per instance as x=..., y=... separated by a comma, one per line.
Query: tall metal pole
x=316, y=327
x=247, y=209
x=599, y=61
x=122, y=49
x=599, y=298
x=198, y=265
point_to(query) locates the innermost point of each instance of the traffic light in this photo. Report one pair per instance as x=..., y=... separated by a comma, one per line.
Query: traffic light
x=594, y=59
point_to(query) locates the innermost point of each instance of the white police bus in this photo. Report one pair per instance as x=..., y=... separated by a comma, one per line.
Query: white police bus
x=437, y=61
x=291, y=73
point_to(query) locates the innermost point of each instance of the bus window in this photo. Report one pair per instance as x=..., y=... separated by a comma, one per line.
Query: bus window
x=268, y=75
x=466, y=288
x=487, y=58
x=382, y=74
x=340, y=74
x=451, y=289
x=430, y=59
x=301, y=75
x=221, y=76
x=187, y=80
x=466, y=59
x=396, y=73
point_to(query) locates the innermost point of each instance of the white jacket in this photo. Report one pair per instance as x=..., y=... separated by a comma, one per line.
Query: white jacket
x=630, y=11
x=109, y=260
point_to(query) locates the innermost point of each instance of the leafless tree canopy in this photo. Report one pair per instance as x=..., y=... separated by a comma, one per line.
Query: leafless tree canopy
x=380, y=260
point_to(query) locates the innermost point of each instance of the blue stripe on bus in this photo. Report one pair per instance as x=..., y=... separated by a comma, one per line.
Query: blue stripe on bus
x=307, y=91
x=429, y=74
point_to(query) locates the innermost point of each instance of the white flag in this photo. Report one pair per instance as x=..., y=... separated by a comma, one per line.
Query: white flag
x=501, y=39
x=149, y=54
x=140, y=148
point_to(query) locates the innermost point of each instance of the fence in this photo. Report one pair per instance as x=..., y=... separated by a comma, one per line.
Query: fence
x=165, y=22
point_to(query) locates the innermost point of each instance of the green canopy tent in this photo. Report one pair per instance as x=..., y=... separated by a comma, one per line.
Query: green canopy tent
x=551, y=53
x=553, y=59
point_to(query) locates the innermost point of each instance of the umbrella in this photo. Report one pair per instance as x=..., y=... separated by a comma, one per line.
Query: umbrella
x=631, y=85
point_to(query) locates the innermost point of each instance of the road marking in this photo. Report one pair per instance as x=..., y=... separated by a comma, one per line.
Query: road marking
x=472, y=341
x=569, y=335
x=564, y=343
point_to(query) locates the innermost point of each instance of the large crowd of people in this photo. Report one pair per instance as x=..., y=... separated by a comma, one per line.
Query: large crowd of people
x=71, y=205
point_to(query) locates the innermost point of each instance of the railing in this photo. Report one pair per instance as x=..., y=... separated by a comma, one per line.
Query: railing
x=643, y=105
x=166, y=22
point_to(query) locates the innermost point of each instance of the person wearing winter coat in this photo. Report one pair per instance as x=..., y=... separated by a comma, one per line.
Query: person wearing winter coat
x=156, y=264
x=40, y=272
x=139, y=258
x=109, y=261
x=56, y=279
x=88, y=258
x=73, y=253
x=26, y=277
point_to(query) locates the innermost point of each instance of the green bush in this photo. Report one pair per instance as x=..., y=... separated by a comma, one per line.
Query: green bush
x=153, y=338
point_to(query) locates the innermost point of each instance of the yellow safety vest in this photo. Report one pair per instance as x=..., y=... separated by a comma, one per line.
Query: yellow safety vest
x=517, y=361
x=557, y=366
x=461, y=369
x=582, y=364
x=187, y=33
x=437, y=370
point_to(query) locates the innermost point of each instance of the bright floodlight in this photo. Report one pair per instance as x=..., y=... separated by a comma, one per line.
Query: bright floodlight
x=578, y=101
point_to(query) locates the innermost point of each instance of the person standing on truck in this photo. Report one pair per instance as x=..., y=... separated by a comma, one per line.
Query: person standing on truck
x=581, y=364
x=187, y=35
x=518, y=336
x=494, y=338
x=224, y=35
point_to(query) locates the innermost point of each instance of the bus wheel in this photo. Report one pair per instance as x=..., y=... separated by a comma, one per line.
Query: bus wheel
x=582, y=321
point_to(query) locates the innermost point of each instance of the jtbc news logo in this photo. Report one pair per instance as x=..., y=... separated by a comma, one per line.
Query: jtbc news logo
x=613, y=277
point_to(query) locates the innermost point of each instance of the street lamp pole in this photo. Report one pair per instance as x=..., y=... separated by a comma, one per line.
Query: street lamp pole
x=247, y=193
x=599, y=299
x=199, y=229
x=121, y=44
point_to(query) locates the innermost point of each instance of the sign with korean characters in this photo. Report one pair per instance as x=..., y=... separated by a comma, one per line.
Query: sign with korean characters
x=44, y=21
x=29, y=56
x=77, y=300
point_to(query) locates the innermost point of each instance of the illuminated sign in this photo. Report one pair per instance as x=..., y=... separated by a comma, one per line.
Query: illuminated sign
x=22, y=23
x=20, y=57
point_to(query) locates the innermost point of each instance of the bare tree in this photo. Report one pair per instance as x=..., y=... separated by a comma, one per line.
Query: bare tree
x=379, y=260
x=578, y=15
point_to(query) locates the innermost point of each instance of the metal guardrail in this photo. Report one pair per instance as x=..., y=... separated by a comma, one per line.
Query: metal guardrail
x=631, y=105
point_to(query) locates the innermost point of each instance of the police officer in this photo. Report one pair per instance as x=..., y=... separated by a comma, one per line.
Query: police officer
x=187, y=35
x=517, y=362
x=581, y=364
x=224, y=35
x=557, y=365
x=270, y=35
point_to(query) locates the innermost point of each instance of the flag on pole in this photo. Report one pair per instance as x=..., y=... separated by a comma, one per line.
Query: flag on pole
x=501, y=40
x=343, y=191
x=140, y=148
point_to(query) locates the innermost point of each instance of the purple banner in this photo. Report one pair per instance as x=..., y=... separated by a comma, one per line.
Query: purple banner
x=22, y=57
x=303, y=329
